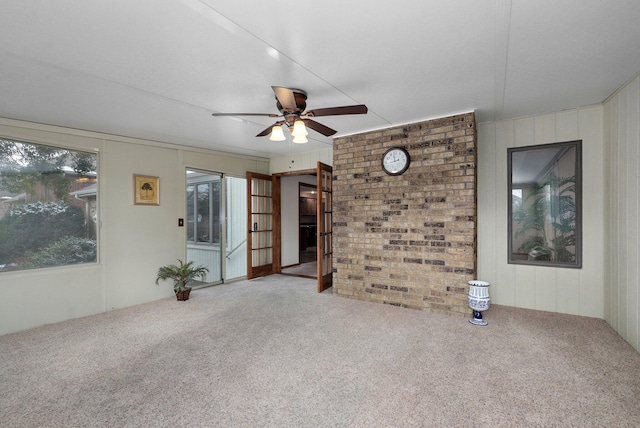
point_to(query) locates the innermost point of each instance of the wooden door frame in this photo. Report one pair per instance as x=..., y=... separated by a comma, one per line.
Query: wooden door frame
x=323, y=211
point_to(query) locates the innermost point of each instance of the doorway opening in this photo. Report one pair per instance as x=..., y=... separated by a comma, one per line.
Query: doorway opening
x=273, y=238
x=308, y=221
x=300, y=225
x=215, y=225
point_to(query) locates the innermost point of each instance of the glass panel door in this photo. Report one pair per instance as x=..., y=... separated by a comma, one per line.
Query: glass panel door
x=204, y=222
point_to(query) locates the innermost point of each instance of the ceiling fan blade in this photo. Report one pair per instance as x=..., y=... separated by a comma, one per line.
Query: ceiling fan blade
x=268, y=130
x=286, y=98
x=324, y=130
x=247, y=114
x=335, y=111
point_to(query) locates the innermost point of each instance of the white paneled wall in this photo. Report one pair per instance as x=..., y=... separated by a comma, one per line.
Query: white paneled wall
x=301, y=161
x=206, y=255
x=236, y=259
x=565, y=290
x=622, y=134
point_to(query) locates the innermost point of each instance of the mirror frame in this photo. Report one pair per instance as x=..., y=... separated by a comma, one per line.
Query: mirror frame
x=561, y=147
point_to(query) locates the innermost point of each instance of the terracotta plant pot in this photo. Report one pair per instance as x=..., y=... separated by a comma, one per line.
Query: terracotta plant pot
x=183, y=295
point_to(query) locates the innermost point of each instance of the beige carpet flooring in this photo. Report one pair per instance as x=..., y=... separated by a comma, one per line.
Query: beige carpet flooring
x=273, y=353
x=309, y=269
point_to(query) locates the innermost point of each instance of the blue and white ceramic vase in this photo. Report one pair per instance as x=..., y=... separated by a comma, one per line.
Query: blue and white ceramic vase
x=479, y=300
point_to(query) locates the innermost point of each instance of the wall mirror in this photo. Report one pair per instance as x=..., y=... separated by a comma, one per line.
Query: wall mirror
x=545, y=200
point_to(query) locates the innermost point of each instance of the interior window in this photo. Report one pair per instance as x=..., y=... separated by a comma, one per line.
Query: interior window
x=545, y=200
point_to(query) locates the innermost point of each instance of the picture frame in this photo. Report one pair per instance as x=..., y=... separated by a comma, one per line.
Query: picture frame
x=146, y=190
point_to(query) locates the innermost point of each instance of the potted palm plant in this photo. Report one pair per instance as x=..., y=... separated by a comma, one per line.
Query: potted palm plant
x=181, y=275
x=547, y=220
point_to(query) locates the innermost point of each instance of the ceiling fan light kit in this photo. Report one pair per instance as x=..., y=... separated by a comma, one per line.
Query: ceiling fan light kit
x=292, y=103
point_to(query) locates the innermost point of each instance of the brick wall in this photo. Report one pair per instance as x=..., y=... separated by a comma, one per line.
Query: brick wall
x=407, y=240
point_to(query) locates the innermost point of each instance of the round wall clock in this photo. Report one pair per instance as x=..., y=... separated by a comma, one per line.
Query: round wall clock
x=395, y=161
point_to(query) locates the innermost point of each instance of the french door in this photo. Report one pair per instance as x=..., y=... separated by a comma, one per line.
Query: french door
x=263, y=225
x=325, y=226
x=263, y=221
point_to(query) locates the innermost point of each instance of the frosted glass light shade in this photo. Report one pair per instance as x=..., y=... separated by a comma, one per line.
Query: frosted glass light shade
x=299, y=130
x=300, y=139
x=277, y=134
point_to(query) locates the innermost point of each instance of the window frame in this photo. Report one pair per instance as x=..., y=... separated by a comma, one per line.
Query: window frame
x=90, y=210
x=562, y=147
x=211, y=184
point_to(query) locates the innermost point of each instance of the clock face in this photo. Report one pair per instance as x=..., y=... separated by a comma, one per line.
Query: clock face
x=395, y=161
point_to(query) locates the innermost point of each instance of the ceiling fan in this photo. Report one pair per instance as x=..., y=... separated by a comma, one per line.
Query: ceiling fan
x=292, y=103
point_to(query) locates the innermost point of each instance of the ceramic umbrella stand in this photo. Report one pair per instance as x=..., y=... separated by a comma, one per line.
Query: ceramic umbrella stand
x=478, y=300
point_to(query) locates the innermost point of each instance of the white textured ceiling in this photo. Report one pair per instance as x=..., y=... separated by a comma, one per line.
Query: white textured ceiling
x=158, y=69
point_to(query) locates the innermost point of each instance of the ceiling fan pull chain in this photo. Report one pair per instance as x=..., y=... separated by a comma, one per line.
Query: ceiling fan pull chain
x=291, y=153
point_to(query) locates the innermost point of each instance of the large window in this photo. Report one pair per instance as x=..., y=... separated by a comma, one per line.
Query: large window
x=545, y=199
x=48, y=206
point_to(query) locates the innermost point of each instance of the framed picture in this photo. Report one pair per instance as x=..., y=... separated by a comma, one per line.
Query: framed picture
x=146, y=190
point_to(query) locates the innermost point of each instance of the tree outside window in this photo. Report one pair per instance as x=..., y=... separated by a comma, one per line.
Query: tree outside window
x=203, y=212
x=48, y=210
